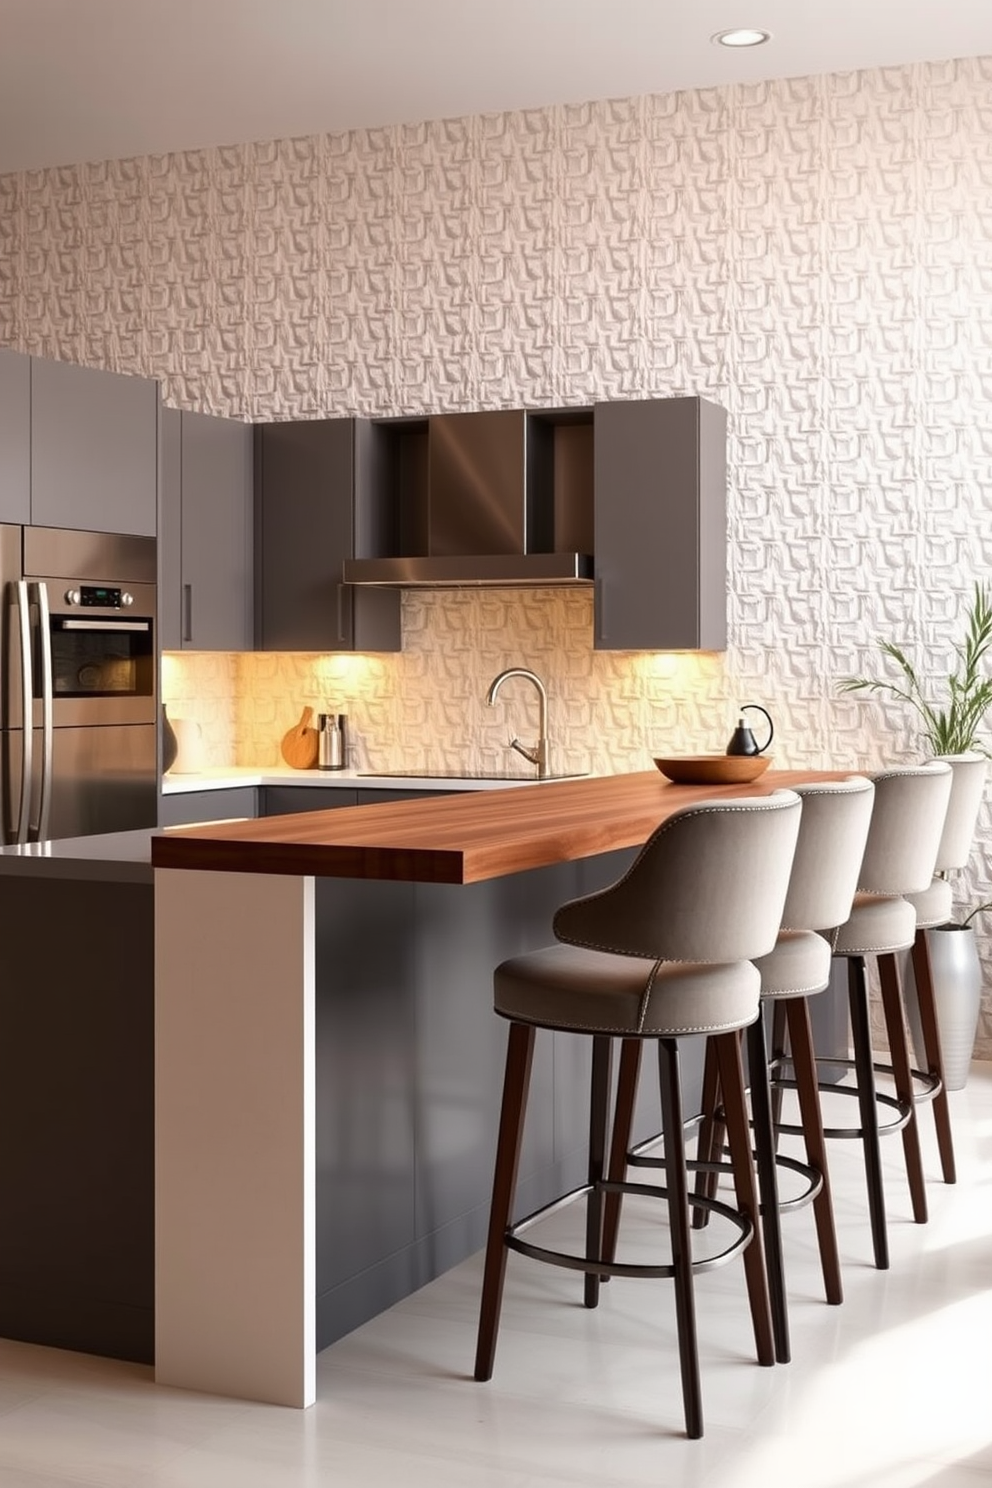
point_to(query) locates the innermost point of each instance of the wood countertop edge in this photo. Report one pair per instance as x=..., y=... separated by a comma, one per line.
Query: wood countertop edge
x=456, y=839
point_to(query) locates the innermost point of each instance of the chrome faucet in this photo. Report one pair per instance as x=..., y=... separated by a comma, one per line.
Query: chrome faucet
x=539, y=754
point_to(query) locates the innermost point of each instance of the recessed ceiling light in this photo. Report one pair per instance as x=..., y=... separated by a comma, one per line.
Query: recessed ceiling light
x=743, y=36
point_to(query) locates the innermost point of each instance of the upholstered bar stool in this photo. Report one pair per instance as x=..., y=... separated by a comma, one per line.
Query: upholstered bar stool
x=908, y=816
x=934, y=906
x=666, y=951
x=832, y=837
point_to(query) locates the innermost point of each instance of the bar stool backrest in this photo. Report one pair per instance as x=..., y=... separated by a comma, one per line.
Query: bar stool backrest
x=967, y=787
x=906, y=825
x=708, y=885
x=833, y=831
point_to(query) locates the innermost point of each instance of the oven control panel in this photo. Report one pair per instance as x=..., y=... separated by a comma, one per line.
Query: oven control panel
x=99, y=596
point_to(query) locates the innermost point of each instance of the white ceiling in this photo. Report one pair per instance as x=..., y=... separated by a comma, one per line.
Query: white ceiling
x=100, y=79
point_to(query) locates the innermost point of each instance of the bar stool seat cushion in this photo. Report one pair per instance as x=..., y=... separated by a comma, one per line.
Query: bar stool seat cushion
x=878, y=924
x=934, y=906
x=570, y=988
x=797, y=967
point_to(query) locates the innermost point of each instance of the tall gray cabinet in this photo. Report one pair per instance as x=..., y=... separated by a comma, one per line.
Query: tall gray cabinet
x=660, y=478
x=205, y=536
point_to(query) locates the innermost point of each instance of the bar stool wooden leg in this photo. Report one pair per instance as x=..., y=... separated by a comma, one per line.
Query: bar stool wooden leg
x=935, y=1059
x=857, y=990
x=677, y=1186
x=519, y=1058
x=796, y=1010
x=623, y=1121
x=739, y=1141
x=779, y=1052
x=771, y=1224
x=710, y=1135
x=899, y=1053
x=599, y=1103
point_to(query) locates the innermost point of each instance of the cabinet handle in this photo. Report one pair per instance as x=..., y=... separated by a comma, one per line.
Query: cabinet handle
x=187, y=612
x=600, y=603
x=340, y=612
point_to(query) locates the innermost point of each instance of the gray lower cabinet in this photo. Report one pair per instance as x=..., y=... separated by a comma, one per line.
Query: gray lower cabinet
x=15, y=437
x=272, y=800
x=306, y=524
x=206, y=531
x=283, y=800
x=207, y=805
x=77, y=1182
x=388, y=797
x=660, y=476
x=94, y=449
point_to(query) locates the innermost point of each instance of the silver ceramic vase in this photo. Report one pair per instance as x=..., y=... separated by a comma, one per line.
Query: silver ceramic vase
x=957, y=989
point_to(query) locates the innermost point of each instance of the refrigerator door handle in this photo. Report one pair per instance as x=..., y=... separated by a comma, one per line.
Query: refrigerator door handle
x=19, y=833
x=39, y=833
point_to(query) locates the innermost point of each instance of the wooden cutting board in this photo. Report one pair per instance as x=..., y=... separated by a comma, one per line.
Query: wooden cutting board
x=299, y=744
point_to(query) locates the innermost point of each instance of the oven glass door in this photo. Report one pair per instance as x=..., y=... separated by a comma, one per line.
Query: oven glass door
x=102, y=660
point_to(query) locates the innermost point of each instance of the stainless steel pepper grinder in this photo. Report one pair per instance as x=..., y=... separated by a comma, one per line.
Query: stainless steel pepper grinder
x=331, y=747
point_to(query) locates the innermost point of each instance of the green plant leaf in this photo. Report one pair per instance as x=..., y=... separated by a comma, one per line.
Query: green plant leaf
x=954, y=728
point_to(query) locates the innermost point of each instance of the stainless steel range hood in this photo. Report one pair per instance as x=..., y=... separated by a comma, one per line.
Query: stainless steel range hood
x=486, y=513
x=473, y=570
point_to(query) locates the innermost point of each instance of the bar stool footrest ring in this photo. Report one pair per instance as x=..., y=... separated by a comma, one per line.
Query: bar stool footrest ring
x=638, y=1158
x=904, y=1109
x=591, y=1266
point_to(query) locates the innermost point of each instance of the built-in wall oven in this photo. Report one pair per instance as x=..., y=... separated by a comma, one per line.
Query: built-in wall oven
x=80, y=661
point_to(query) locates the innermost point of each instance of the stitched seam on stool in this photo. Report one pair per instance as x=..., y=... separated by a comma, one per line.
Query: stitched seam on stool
x=642, y=1009
x=759, y=803
x=560, y=1023
x=798, y=991
x=883, y=950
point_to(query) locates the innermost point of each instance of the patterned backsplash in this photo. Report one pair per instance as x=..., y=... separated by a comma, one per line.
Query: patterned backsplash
x=426, y=706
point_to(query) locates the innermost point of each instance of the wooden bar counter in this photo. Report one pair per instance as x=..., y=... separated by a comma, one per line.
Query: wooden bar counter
x=328, y=1065
x=455, y=839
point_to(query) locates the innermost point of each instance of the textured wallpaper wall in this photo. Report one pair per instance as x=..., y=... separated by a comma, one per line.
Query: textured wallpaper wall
x=815, y=254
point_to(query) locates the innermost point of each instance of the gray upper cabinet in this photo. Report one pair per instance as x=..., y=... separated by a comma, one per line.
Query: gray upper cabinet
x=660, y=476
x=15, y=437
x=205, y=543
x=94, y=449
x=307, y=522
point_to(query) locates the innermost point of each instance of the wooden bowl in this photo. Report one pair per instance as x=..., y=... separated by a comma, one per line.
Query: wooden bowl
x=714, y=769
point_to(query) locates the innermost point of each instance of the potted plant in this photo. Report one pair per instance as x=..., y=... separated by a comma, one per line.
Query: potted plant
x=953, y=728
x=948, y=730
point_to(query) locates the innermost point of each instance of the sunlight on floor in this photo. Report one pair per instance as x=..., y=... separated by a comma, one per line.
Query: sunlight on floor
x=891, y=1390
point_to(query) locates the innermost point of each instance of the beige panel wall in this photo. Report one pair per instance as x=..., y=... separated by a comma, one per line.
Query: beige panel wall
x=815, y=254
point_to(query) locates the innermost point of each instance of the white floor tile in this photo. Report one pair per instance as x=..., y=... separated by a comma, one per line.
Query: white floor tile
x=891, y=1390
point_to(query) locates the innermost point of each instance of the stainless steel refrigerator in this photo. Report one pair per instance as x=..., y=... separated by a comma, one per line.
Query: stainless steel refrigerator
x=79, y=669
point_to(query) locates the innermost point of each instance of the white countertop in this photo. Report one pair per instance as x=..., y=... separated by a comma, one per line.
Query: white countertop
x=111, y=857
x=229, y=776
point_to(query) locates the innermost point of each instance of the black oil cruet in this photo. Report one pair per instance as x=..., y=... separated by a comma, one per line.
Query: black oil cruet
x=742, y=740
